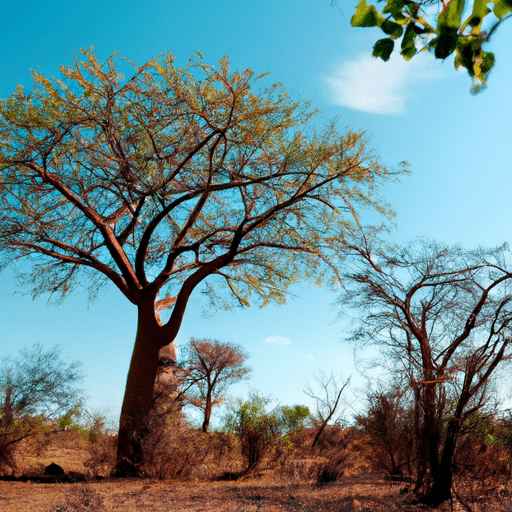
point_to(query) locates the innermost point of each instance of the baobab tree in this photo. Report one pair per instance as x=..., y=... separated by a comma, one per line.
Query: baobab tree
x=173, y=179
x=443, y=316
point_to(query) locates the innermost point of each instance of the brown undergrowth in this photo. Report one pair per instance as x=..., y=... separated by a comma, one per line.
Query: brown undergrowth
x=263, y=494
x=335, y=477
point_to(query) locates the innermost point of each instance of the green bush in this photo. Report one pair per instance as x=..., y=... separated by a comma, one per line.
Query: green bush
x=258, y=429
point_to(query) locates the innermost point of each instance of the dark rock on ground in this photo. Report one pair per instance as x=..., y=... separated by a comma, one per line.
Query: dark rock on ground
x=53, y=470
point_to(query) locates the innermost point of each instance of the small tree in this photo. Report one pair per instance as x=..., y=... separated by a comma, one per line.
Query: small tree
x=209, y=368
x=327, y=399
x=254, y=426
x=292, y=419
x=39, y=386
x=389, y=423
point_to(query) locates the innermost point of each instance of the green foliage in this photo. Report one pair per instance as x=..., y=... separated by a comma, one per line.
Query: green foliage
x=366, y=16
x=383, y=48
x=173, y=173
x=292, y=419
x=408, y=45
x=249, y=415
x=254, y=426
x=447, y=34
x=482, y=428
x=258, y=429
x=68, y=420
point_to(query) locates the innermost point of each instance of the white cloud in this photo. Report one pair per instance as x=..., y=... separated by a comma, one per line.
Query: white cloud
x=309, y=357
x=277, y=340
x=372, y=85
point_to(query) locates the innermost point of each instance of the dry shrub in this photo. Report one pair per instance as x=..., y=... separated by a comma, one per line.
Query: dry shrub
x=102, y=455
x=223, y=445
x=101, y=446
x=170, y=448
x=330, y=438
x=337, y=453
x=80, y=499
x=482, y=463
x=296, y=469
x=331, y=470
x=224, y=458
x=341, y=452
x=175, y=453
x=24, y=436
x=481, y=469
x=388, y=425
x=7, y=456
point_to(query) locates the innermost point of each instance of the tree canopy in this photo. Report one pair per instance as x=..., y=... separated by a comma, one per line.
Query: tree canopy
x=209, y=367
x=456, y=28
x=172, y=179
x=444, y=320
x=170, y=174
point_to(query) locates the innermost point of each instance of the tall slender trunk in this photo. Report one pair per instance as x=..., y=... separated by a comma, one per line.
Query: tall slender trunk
x=207, y=411
x=419, y=432
x=7, y=414
x=139, y=392
x=151, y=337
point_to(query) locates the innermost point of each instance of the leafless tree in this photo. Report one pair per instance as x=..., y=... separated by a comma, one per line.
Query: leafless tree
x=209, y=367
x=327, y=396
x=443, y=316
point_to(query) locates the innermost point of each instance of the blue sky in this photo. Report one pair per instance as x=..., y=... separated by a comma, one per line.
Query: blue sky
x=457, y=146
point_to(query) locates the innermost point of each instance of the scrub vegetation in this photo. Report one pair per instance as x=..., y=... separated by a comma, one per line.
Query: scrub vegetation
x=263, y=456
x=178, y=181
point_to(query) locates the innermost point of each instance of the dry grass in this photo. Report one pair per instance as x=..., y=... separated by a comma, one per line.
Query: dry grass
x=130, y=495
x=286, y=486
x=66, y=450
x=133, y=495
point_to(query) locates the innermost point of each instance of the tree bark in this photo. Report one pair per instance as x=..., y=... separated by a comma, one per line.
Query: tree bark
x=139, y=392
x=207, y=411
x=442, y=481
x=7, y=415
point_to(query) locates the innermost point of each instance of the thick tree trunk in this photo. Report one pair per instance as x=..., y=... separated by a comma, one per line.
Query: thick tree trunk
x=138, y=393
x=442, y=482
